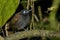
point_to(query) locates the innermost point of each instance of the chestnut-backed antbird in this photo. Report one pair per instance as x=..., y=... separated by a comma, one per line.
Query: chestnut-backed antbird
x=20, y=20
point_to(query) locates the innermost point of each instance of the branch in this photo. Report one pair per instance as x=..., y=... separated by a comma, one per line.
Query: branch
x=32, y=33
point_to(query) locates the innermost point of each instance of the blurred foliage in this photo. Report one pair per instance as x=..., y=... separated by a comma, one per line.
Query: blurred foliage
x=7, y=9
x=52, y=15
x=54, y=38
x=24, y=3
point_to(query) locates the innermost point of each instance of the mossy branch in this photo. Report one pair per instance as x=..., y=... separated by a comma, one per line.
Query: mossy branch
x=32, y=33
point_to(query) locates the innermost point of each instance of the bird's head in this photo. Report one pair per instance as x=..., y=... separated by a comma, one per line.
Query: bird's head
x=25, y=12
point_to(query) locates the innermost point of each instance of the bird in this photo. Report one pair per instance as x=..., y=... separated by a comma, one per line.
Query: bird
x=20, y=20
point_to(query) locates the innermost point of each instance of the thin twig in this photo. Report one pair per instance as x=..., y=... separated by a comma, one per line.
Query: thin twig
x=40, y=13
x=28, y=4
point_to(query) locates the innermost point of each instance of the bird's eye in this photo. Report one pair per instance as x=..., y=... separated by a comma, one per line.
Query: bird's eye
x=25, y=12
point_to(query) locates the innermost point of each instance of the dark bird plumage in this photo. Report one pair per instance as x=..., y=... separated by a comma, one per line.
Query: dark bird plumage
x=20, y=20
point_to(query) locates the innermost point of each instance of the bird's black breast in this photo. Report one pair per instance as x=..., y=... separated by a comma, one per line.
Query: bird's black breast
x=22, y=22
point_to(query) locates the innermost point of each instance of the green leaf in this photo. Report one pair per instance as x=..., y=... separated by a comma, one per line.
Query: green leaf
x=7, y=9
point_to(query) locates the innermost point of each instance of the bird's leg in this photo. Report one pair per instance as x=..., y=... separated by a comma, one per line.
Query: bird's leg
x=25, y=29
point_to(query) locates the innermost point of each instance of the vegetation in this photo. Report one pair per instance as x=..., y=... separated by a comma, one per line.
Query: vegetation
x=46, y=28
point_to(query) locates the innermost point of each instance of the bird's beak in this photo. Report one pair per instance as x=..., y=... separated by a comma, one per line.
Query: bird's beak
x=30, y=10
